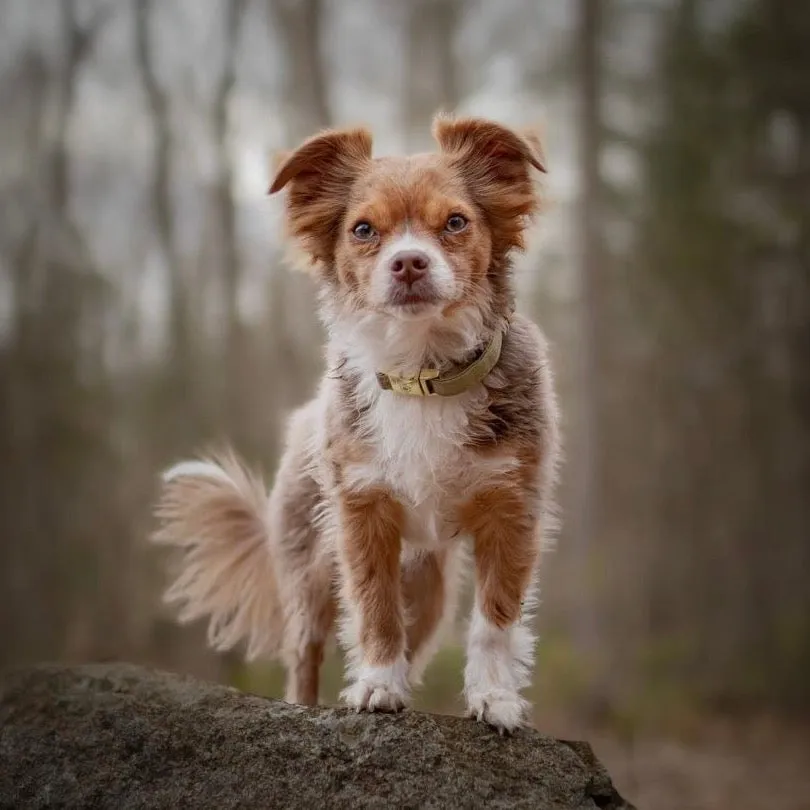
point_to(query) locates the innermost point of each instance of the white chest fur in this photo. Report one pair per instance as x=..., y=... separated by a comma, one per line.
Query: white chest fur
x=419, y=452
x=417, y=446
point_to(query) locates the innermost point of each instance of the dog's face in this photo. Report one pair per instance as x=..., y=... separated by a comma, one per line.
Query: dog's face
x=412, y=237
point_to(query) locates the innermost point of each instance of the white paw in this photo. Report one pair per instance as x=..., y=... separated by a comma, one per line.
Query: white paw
x=379, y=689
x=363, y=696
x=499, y=708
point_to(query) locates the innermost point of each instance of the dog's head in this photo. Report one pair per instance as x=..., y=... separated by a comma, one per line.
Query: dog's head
x=414, y=237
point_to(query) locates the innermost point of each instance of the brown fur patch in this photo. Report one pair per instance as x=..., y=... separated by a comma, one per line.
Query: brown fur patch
x=506, y=549
x=303, y=675
x=521, y=409
x=372, y=523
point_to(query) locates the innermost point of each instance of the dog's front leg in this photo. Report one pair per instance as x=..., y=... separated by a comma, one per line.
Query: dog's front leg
x=500, y=646
x=370, y=543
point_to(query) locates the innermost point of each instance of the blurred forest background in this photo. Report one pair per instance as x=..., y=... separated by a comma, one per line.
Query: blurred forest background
x=145, y=311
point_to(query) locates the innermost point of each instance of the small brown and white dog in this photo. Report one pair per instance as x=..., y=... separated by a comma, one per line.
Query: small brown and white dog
x=434, y=423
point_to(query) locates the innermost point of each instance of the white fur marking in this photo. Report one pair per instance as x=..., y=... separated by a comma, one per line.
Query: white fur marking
x=498, y=667
x=196, y=469
x=383, y=689
x=440, y=273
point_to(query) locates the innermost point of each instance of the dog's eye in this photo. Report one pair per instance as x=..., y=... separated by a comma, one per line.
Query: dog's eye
x=363, y=231
x=455, y=223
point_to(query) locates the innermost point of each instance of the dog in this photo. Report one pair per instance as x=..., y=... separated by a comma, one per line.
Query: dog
x=434, y=430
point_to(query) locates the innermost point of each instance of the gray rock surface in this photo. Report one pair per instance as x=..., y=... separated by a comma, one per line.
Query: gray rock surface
x=121, y=736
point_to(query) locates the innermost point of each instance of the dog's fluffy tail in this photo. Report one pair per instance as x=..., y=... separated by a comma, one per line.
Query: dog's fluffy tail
x=214, y=511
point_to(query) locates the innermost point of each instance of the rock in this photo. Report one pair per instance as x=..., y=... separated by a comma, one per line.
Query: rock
x=121, y=736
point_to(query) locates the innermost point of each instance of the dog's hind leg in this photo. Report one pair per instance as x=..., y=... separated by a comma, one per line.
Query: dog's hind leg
x=306, y=573
x=305, y=562
x=310, y=609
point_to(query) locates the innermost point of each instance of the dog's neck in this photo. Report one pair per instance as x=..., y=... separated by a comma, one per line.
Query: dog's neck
x=372, y=342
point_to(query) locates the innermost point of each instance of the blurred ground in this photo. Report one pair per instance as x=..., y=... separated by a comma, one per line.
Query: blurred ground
x=748, y=764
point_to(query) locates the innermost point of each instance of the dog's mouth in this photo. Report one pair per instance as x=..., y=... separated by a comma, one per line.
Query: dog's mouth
x=413, y=297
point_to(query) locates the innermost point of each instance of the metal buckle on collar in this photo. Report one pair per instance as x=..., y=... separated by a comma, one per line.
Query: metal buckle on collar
x=417, y=386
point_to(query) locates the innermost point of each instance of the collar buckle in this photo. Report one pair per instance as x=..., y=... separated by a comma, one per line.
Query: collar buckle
x=416, y=386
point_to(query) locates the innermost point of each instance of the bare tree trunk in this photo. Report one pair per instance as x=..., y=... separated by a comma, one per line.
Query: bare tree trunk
x=160, y=194
x=431, y=77
x=234, y=372
x=294, y=329
x=229, y=263
x=305, y=90
x=78, y=42
x=60, y=191
x=587, y=516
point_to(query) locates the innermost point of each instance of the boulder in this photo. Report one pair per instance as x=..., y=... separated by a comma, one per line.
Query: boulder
x=121, y=736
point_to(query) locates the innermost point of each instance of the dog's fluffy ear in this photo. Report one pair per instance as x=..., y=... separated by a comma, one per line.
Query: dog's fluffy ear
x=319, y=175
x=484, y=140
x=496, y=163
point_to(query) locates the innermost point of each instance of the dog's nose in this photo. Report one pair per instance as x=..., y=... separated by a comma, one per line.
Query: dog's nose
x=409, y=266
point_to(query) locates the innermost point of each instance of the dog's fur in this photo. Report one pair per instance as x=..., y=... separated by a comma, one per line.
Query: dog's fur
x=377, y=491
